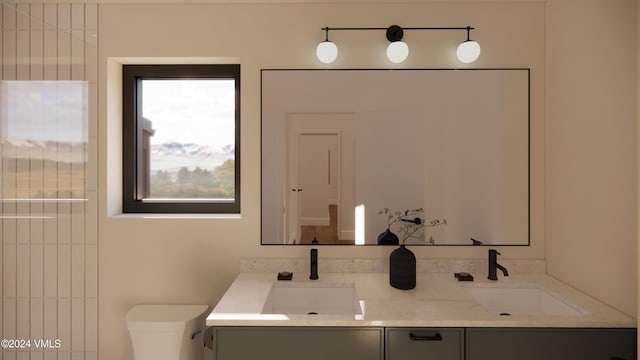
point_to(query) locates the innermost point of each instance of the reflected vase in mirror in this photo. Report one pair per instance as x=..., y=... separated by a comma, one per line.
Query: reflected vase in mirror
x=388, y=238
x=402, y=268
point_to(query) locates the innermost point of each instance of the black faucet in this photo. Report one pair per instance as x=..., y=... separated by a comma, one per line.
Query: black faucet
x=493, y=265
x=314, y=264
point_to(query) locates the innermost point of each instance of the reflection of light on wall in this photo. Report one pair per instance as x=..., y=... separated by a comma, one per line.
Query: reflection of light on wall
x=360, y=224
x=364, y=310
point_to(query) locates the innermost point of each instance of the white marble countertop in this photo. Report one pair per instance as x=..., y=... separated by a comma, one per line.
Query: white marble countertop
x=438, y=300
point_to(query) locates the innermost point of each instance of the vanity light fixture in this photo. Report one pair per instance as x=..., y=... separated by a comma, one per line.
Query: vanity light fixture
x=398, y=51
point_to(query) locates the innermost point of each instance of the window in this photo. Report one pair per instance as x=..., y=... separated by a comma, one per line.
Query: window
x=181, y=138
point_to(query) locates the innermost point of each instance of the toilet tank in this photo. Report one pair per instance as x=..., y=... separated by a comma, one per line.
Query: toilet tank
x=167, y=332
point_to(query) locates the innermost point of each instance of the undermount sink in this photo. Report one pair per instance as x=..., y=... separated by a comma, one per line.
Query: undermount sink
x=312, y=299
x=522, y=300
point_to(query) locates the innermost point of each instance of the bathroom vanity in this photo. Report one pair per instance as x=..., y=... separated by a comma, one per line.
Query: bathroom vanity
x=419, y=343
x=359, y=316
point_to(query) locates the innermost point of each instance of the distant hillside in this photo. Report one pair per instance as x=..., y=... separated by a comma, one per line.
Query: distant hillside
x=43, y=169
x=68, y=152
x=173, y=155
x=58, y=169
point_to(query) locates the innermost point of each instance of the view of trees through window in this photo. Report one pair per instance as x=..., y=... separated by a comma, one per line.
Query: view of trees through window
x=196, y=183
x=189, y=136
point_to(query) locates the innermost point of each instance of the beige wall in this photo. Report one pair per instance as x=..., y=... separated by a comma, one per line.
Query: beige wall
x=152, y=260
x=590, y=149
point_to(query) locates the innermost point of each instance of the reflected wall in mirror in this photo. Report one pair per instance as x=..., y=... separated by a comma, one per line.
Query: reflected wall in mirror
x=449, y=146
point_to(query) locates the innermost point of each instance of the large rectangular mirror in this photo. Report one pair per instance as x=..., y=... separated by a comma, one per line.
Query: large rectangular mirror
x=350, y=154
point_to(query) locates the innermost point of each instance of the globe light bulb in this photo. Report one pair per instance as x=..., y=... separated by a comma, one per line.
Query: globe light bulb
x=397, y=52
x=327, y=52
x=468, y=51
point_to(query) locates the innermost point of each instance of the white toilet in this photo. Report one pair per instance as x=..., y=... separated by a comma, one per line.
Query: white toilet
x=167, y=332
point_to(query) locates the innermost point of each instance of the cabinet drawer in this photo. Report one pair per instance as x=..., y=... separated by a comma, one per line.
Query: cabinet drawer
x=295, y=343
x=550, y=344
x=424, y=343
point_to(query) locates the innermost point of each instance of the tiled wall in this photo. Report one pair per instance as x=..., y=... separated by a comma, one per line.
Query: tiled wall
x=48, y=191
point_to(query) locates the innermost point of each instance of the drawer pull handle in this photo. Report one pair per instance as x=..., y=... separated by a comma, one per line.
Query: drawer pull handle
x=436, y=337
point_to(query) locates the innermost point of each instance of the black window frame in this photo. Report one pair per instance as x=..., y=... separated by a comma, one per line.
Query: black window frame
x=132, y=199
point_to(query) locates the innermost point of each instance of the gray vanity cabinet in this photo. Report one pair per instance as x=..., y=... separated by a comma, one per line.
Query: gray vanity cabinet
x=296, y=343
x=424, y=343
x=397, y=343
x=550, y=344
